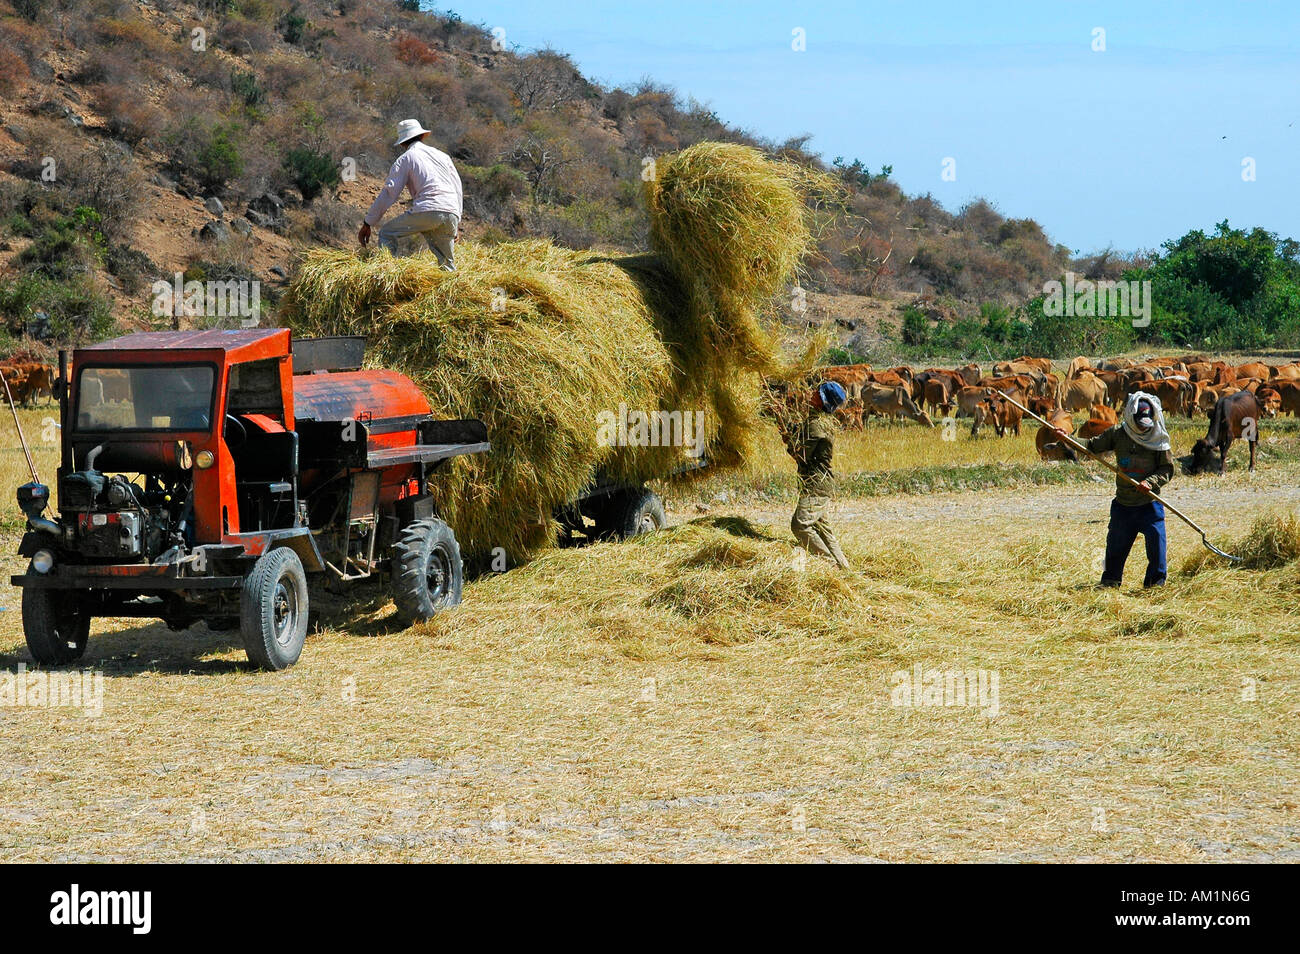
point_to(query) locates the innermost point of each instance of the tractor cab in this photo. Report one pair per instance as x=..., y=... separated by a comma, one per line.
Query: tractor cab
x=191, y=432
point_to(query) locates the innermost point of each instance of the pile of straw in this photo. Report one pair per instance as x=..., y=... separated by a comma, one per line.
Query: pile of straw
x=537, y=340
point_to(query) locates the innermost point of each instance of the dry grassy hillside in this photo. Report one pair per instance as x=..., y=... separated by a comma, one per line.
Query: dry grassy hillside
x=144, y=112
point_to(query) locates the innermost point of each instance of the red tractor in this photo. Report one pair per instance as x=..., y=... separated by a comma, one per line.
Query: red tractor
x=205, y=474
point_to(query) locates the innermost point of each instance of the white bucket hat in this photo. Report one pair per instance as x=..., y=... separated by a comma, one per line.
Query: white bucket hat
x=408, y=129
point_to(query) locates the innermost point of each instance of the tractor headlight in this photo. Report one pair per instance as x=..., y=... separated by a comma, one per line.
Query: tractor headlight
x=43, y=561
x=204, y=459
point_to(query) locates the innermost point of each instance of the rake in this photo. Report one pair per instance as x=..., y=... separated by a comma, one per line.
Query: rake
x=1123, y=476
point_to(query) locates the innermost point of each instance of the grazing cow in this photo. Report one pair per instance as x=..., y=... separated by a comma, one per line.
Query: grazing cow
x=954, y=381
x=937, y=392
x=849, y=414
x=39, y=380
x=891, y=402
x=1042, y=406
x=1115, y=364
x=1083, y=392
x=969, y=398
x=14, y=377
x=982, y=414
x=1288, y=397
x=1177, y=395
x=1233, y=416
x=1100, y=420
x=1061, y=420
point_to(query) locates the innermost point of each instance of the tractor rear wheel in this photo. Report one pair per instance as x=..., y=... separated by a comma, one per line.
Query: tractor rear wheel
x=427, y=570
x=55, y=624
x=632, y=512
x=273, y=610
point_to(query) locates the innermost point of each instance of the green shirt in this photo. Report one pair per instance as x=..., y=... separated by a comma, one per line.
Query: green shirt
x=1140, y=463
x=812, y=447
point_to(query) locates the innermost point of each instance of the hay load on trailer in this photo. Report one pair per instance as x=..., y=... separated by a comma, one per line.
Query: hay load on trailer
x=543, y=343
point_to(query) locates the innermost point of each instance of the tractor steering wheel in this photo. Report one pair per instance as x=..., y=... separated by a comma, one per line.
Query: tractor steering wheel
x=243, y=432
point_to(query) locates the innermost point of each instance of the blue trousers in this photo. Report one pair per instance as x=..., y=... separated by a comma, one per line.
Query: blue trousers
x=1126, y=523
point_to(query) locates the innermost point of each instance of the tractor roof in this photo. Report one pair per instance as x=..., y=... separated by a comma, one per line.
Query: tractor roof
x=213, y=339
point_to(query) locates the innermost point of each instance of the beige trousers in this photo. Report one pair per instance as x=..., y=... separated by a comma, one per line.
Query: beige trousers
x=438, y=229
x=813, y=531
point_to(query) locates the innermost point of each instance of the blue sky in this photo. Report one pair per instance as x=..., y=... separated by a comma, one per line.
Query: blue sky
x=1126, y=147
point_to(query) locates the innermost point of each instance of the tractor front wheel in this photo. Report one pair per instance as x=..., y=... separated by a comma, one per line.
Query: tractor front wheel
x=273, y=610
x=427, y=570
x=55, y=625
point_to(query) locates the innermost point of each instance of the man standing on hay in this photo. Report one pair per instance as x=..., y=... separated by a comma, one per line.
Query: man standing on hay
x=811, y=445
x=1141, y=445
x=438, y=200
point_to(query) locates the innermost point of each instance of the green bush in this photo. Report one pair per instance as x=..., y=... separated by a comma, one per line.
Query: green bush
x=312, y=172
x=72, y=311
x=206, y=153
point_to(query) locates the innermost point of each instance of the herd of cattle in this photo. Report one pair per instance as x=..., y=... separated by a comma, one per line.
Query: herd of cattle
x=27, y=379
x=1234, y=397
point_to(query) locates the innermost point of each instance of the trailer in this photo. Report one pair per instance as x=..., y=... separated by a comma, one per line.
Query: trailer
x=207, y=475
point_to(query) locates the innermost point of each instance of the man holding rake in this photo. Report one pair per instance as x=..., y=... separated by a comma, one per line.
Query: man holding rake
x=1141, y=446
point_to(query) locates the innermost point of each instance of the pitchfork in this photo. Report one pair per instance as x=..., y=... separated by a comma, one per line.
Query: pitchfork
x=1123, y=476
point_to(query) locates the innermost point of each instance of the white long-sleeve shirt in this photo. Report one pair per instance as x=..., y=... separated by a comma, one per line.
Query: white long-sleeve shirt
x=431, y=178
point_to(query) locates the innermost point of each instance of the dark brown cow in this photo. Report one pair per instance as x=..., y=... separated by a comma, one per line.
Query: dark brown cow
x=1233, y=416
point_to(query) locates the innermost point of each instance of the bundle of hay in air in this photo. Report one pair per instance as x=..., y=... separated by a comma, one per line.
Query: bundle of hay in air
x=547, y=345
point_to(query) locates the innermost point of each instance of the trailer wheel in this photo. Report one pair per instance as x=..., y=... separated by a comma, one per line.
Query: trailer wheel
x=273, y=610
x=55, y=625
x=633, y=512
x=427, y=570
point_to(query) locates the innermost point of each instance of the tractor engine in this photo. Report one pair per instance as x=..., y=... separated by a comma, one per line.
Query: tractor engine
x=108, y=517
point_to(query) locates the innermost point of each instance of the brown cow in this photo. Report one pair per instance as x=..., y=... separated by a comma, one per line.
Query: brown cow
x=849, y=414
x=1288, y=397
x=1061, y=420
x=1287, y=372
x=1006, y=416
x=1234, y=416
x=938, y=391
x=850, y=376
x=1077, y=365
x=890, y=402
x=1100, y=420
x=1177, y=395
x=14, y=377
x=1270, y=401
x=1254, y=369
x=39, y=380
x=1083, y=392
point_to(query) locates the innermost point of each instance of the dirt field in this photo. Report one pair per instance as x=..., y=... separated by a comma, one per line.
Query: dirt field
x=704, y=694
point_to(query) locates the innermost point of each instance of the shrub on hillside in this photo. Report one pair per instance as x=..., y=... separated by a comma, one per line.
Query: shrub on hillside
x=71, y=311
x=204, y=152
x=311, y=171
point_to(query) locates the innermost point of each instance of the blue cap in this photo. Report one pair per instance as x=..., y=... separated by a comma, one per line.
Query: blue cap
x=832, y=395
